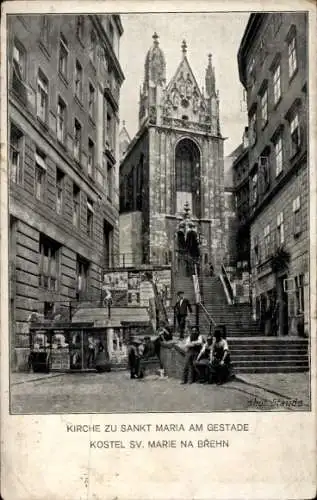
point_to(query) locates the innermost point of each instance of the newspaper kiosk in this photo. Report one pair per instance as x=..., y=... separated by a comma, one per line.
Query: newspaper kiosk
x=77, y=347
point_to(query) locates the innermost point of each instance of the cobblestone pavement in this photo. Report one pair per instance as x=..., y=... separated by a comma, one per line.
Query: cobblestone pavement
x=115, y=393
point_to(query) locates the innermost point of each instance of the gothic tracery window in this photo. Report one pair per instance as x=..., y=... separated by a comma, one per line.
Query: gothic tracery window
x=187, y=171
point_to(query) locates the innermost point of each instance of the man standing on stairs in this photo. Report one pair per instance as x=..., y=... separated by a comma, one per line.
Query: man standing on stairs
x=182, y=307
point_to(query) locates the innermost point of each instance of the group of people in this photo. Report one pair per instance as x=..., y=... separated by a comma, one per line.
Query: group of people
x=141, y=350
x=207, y=361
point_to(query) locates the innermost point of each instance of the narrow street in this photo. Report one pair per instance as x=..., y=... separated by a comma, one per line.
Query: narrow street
x=115, y=393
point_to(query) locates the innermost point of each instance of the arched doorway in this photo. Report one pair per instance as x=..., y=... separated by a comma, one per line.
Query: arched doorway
x=187, y=177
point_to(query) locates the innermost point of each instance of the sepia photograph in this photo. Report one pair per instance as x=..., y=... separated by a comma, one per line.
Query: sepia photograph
x=158, y=212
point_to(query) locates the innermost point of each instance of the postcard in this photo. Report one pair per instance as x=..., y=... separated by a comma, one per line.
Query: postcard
x=158, y=250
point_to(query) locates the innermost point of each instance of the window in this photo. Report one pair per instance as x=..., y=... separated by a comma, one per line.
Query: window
x=80, y=27
x=280, y=229
x=299, y=294
x=256, y=250
x=264, y=166
x=90, y=218
x=77, y=140
x=93, y=46
x=267, y=241
x=109, y=181
x=59, y=190
x=109, y=139
x=76, y=205
x=99, y=178
x=82, y=272
x=254, y=190
x=277, y=21
x=61, y=120
x=297, y=216
x=292, y=56
x=63, y=56
x=19, y=60
x=295, y=135
x=40, y=175
x=42, y=97
x=278, y=148
x=16, y=155
x=48, y=264
x=277, y=84
x=45, y=31
x=91, y=155
x=111, y=32
x=264, y=108
x=78, y=81
x=252, y=129
x=91, y=101
x=252, y=73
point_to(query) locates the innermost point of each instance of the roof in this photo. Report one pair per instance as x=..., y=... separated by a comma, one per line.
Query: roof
x=250, y=33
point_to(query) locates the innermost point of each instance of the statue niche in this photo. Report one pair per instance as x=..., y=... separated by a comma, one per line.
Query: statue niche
x=188, y=87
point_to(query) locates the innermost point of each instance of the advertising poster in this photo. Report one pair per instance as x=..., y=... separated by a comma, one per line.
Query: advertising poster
x=117, y=283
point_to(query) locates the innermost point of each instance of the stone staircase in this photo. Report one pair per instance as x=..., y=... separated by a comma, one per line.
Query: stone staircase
x=237, y=317
x=269, y=354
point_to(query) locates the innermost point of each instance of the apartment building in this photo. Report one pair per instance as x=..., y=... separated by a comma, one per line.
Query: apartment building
x=64, y=80
x=273, y=68
x=240, y=172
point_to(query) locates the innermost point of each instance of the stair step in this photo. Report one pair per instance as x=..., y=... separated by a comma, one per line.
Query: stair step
x=264, y=357
x=272, y=369
x=271, y=362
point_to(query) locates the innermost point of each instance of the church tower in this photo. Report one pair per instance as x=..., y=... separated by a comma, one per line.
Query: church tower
x=178, y=155
x=154, y=82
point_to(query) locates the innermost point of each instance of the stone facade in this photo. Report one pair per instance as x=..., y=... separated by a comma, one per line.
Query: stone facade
x=241, y=188
x=63, y=185
x=273, y=69
x=178, y=152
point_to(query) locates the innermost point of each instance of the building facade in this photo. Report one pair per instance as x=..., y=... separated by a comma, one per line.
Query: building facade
x=175, y=158
x=240, y=173
x=64, y=82
x=273, y=69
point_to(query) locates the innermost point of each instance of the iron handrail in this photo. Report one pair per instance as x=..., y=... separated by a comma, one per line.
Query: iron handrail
x=227, y=283
x=209, y=317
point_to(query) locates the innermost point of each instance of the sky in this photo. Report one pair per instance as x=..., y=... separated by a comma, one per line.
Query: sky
x=218, y=34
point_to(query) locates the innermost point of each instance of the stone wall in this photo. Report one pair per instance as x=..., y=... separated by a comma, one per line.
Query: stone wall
x=31, y=218
x=173, y=359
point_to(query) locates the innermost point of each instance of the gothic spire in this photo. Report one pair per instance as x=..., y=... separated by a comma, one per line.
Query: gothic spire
x=184, y=48
x=210, y=78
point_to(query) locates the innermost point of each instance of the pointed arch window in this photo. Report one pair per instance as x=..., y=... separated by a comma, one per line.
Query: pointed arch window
x=187, y=173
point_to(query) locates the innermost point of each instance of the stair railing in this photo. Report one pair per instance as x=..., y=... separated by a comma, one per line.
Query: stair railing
x=227, y=285
x=212, y=322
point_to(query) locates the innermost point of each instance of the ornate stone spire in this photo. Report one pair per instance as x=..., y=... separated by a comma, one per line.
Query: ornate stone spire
x=155, y=66
x=184, y=48
x=210, y=78
x=155, y=39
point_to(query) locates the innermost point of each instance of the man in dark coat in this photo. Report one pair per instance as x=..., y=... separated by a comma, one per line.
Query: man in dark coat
x=182, y=307
x=135, y=351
